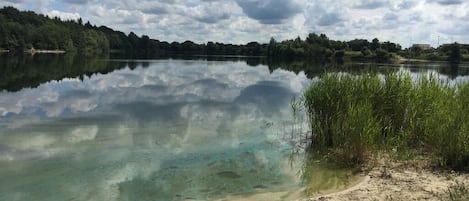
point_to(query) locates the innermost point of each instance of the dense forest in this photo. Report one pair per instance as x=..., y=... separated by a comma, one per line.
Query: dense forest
x=22, y=31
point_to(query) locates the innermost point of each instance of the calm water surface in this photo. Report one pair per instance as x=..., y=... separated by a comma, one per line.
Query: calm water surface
x=150, y=129
x=166, y=130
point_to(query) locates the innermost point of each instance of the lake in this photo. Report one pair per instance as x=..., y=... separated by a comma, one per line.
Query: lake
x=165, y=129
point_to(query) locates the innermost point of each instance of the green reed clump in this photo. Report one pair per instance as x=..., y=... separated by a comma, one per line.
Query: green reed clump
x=350, y=116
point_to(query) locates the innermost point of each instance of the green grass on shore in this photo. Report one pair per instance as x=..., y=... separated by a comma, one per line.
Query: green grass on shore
x=353, y=116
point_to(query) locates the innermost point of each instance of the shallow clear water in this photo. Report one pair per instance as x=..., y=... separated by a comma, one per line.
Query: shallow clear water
x=167, y=130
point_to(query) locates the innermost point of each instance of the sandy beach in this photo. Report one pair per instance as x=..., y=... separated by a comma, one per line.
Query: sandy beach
x=398, y=181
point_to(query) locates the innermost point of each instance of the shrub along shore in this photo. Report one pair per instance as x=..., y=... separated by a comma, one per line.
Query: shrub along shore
x=352, y=116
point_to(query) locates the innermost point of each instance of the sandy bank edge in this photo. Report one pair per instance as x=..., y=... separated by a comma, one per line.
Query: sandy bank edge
x=398, y=182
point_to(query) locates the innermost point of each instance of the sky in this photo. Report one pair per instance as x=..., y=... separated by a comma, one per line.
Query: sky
x=241, y=21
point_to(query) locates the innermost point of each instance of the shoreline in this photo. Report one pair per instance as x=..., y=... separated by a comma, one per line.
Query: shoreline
x=401, y=59
x=390, y=181
x=398, y=181
x=414, y=60
x=40, y=51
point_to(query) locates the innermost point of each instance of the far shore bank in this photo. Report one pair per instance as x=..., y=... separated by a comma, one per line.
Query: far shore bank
x=414, y=60
x=401, y=59
x=395, y=58
x=37, y=51
x=43, y=51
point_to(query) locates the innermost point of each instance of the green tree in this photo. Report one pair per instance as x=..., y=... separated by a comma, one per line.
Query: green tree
x=455, y=53
x=134, y=40
x=253, y=48
x=313, y=38
x=391, y=47
x=271, y=49
x=339, y=55
x=382, y=55
x=416, y=51
x=68, y=46
x=365, y=51
x=375, y=44
x=358, y=44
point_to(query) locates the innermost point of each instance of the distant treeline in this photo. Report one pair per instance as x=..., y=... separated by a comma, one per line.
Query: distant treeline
x=453, y=53
x=320, y=47
x=25, y=30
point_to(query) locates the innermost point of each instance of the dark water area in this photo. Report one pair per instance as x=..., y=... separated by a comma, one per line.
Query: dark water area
x=29, y=71
x=107, y=128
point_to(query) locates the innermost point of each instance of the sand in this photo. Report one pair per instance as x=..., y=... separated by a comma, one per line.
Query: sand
x=398, y=181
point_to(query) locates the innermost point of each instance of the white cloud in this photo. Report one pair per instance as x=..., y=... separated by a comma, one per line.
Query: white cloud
x=63, y=15
x=242, y=21
x=77, y=1
x=270, y=11
x=213, y=12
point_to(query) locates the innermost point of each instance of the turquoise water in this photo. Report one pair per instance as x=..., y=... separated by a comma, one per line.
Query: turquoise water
x=166, y=130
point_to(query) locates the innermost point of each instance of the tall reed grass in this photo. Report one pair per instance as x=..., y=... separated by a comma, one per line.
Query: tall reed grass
x=353, y=115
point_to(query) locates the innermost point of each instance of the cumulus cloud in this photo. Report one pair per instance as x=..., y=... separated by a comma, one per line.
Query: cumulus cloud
x=63, y=15
x=242, y=21
x=390, y=17
x=270, y=11
x=15, y=1
x=371, y=4
x=210, y=11
x=329, y=19
x=406, y=4
x=155, y=7
x=36, y=5
x=77, y=1
x=446, y=2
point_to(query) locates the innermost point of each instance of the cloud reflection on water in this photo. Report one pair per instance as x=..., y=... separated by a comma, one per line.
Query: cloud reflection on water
x=131, y=129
